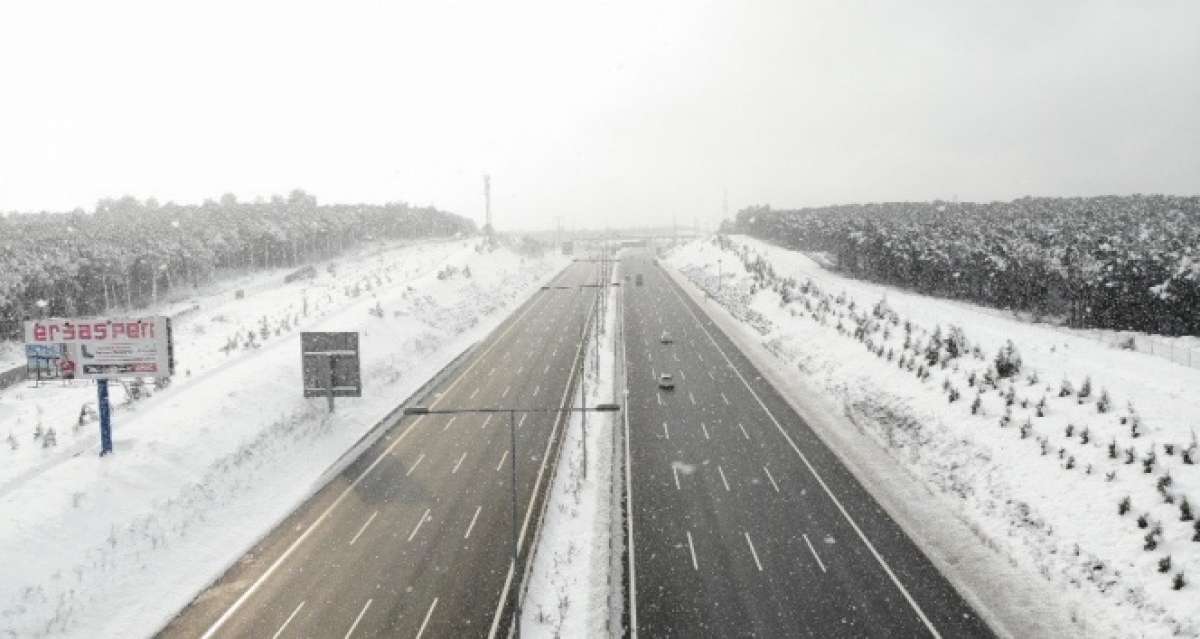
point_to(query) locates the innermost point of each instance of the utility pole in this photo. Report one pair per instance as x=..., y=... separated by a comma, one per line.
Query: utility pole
x=487, y=204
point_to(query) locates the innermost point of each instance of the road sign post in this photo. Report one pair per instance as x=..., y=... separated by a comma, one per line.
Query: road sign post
x=105, y=417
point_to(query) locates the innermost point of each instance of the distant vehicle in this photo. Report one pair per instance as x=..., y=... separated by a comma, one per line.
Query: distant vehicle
x=665, y=381
x=638, y=280
x=666, y=338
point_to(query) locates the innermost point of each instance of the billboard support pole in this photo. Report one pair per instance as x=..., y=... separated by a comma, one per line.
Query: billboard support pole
x=105, y=418
x=331, y=383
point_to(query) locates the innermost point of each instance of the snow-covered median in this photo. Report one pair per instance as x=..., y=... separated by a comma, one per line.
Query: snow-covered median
x=1080, y=492
x=569, y=586
x=114, y=547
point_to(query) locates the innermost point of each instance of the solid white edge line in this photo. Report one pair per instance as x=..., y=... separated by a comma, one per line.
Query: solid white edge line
x=467, y=534
x=875, y=553
x=364, y=527
x=752, y=551
x=502, y=458
x=814, y=552
x=633, y=626
x=692, y=549
x=287, y=621
x=420, y=522
x=358, y=619
x=229, y=612
x=428, y=614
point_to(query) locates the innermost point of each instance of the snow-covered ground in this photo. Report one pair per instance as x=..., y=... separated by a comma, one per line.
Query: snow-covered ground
x=203, y=468
x=1040, y=482
x=568, y=588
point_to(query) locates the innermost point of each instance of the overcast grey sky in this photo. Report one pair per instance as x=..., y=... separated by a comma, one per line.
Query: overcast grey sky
x=599, y=112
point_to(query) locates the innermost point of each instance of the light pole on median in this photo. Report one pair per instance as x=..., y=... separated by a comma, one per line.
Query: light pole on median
x=512, y=454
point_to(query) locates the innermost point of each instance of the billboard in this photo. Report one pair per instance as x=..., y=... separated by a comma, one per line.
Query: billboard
x=105, y=348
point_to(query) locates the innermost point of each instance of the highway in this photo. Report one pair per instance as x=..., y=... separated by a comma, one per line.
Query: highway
x=743, y=523
x=413, y=538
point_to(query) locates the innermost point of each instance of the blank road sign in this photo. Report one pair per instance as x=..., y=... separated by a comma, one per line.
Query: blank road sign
x=330, y=361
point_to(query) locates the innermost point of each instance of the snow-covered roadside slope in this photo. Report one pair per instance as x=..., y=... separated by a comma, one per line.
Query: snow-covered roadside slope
x=113, y=547
x=1054, y=516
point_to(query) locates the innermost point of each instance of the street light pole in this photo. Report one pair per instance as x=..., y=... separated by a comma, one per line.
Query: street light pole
x=512, y=464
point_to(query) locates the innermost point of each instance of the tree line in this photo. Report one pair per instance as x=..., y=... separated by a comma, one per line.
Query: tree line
x=1114, y=262
x=128, y=253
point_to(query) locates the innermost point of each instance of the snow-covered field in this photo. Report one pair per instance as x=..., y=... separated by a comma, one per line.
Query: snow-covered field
x=568, y=589
x=203, y=468
x=1037, y=469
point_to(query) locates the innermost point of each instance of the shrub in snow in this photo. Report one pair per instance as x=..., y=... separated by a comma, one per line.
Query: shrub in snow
x=38, y=431
x=1164, y=564
x=1163, y=483
x=1045, y=445
x=1010, y=397
x=1070, y=462
x=13, y=444
x=1185, y=510
x=1130, y=455
x=972, y=379
x=1085, y=389
x=1032, y=378
x=1084, y=436
x=49, y=439
x=1026, y=429
x=1112, y=449
x=1065, y=389
x=975, y=405
x=1124, y=505
x=1196, y=537
x=1169, y=449
x=1143, y=520
x=1110, y=475
x=1041, y=408
x=1105, y=402
x=1008, y=361
x=953, y=395
x=1188, y=454
x=1178, y=582
x=1006, y=419
x=1151, y=539
x=1148, y=462
x=1070, y=430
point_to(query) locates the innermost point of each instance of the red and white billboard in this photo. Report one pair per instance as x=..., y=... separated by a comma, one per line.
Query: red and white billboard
x=108, y=348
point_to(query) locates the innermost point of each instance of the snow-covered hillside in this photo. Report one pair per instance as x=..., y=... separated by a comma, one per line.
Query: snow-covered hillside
x=1094, y=492
x=203, y=468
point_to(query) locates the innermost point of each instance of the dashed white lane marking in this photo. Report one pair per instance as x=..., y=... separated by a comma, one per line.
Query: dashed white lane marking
x=553, y=353
x=485, y=422
x=666, y=433
x=743, y=429
x=692, y=549
x=521, y=422
x=358, y=619
x=448, y=422
x=505, y=393
x=546, y=370
x=721, y=472
x=675, y=473
x=692, y=397
x=287, y=621
x=520, y=369
x=364, y=527
x=771, y=479
x=705, y=429
x=458, y=463
x=502, y=458
x=725, y=399
x=491, y=371
x=820, y=564
x=415, y=464
x=658, y=396
x=676, y=356
x=752, y=551
x=536, y=390
x=699, y=355
x=649, y=357
x=474, y=393
x=710, y=376
x=472, y=524
x=682, y=376
x=418, y=526
x=429, y=614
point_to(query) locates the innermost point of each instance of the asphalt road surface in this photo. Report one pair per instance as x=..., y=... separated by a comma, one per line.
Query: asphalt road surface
x=743, y=523
x=414, y=538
